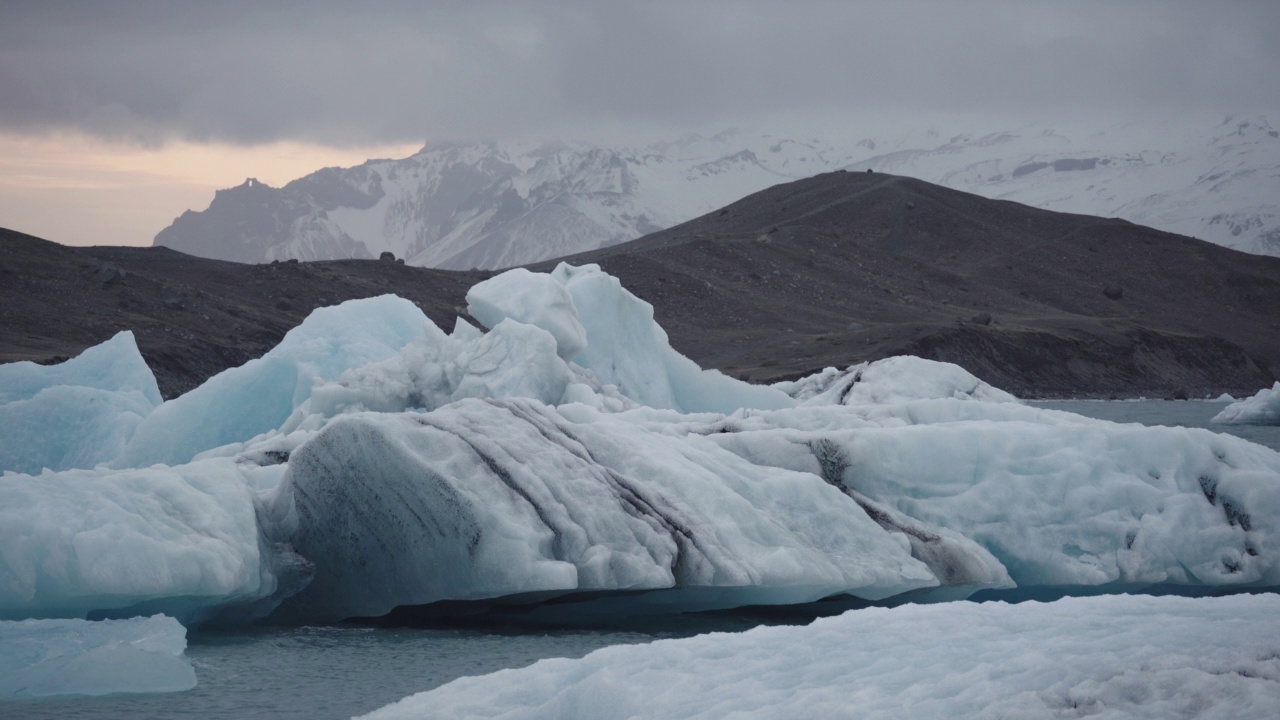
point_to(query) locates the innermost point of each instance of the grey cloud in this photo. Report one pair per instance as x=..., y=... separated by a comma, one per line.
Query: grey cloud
x=252, y=72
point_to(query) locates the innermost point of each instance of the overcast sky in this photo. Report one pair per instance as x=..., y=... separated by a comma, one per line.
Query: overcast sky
x=148, y=79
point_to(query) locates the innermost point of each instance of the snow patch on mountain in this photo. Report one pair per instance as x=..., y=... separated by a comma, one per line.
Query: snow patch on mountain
x=494, y=205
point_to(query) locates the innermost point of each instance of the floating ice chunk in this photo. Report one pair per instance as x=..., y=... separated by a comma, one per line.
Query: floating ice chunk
x=532, y=298
x=178, y=540
x=892, y=380
x=75, y=414
x=1121, y=657
x=483, y=499
x=40, y=658
x=1261, y=409
x=628, y=349
x=1057, y=499
x=242, y=402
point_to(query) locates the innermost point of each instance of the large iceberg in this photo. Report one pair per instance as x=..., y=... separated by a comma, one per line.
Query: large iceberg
x=41, y=658
x=1261, y=409
x=373, y=461
x=1113, y=657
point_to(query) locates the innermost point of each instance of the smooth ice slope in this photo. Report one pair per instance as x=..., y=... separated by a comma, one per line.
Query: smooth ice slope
x=1112, y=657
x=1261, y=409
x=75, y=414
x=482, y=499
x=182, y=540
x=242, y=402
x=41, y=658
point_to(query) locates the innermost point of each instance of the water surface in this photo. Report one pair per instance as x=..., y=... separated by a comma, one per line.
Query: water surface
x=1185, y=413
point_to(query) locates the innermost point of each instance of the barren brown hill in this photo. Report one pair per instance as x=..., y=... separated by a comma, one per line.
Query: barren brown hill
x=829, y=270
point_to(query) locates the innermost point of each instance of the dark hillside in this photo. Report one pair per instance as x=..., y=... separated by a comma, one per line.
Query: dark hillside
x=831, y=270
x=192, y=317
x=849, y=266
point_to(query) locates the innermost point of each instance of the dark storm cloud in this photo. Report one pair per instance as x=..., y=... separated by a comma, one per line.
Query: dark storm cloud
x=251, y=72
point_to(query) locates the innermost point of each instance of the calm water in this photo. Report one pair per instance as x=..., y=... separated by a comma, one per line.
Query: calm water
x=336, y=672
x=319, y=673
x=1187, y=413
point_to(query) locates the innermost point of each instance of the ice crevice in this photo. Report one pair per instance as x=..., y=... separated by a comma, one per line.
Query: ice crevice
x=373, y=461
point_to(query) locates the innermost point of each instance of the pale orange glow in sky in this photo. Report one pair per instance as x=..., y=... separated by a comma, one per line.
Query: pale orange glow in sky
x=78, y=190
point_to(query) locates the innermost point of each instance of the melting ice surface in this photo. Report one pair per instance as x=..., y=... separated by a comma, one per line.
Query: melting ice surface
x=1114, y=657
x=373, y=461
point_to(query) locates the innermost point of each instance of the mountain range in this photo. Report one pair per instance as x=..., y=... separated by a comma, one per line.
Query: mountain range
x=827, y=271
x=494, y=205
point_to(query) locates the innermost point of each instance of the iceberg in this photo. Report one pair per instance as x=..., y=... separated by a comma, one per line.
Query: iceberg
x=42, y=658
x=77, y=413
x=1261, y=409
x=1117, y=656
x=371, y=461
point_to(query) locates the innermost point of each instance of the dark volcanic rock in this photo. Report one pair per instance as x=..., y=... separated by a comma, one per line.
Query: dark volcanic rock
x=109, y=274
x=827, y=271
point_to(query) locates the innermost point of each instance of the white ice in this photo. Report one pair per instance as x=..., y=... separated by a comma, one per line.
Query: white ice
x=181, y=540
x=1058, y=499
x=890, y=381
x=623, y=346
x=1105, y=657
x=484, y=499
x=41, y=658
x=531, y=298
x=570, y=449
x=242, y=402
x=1261, y=409
x=75, y=414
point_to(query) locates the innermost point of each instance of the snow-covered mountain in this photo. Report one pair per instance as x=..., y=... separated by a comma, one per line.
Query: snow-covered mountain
x=1217, y=183
x=493, y=205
